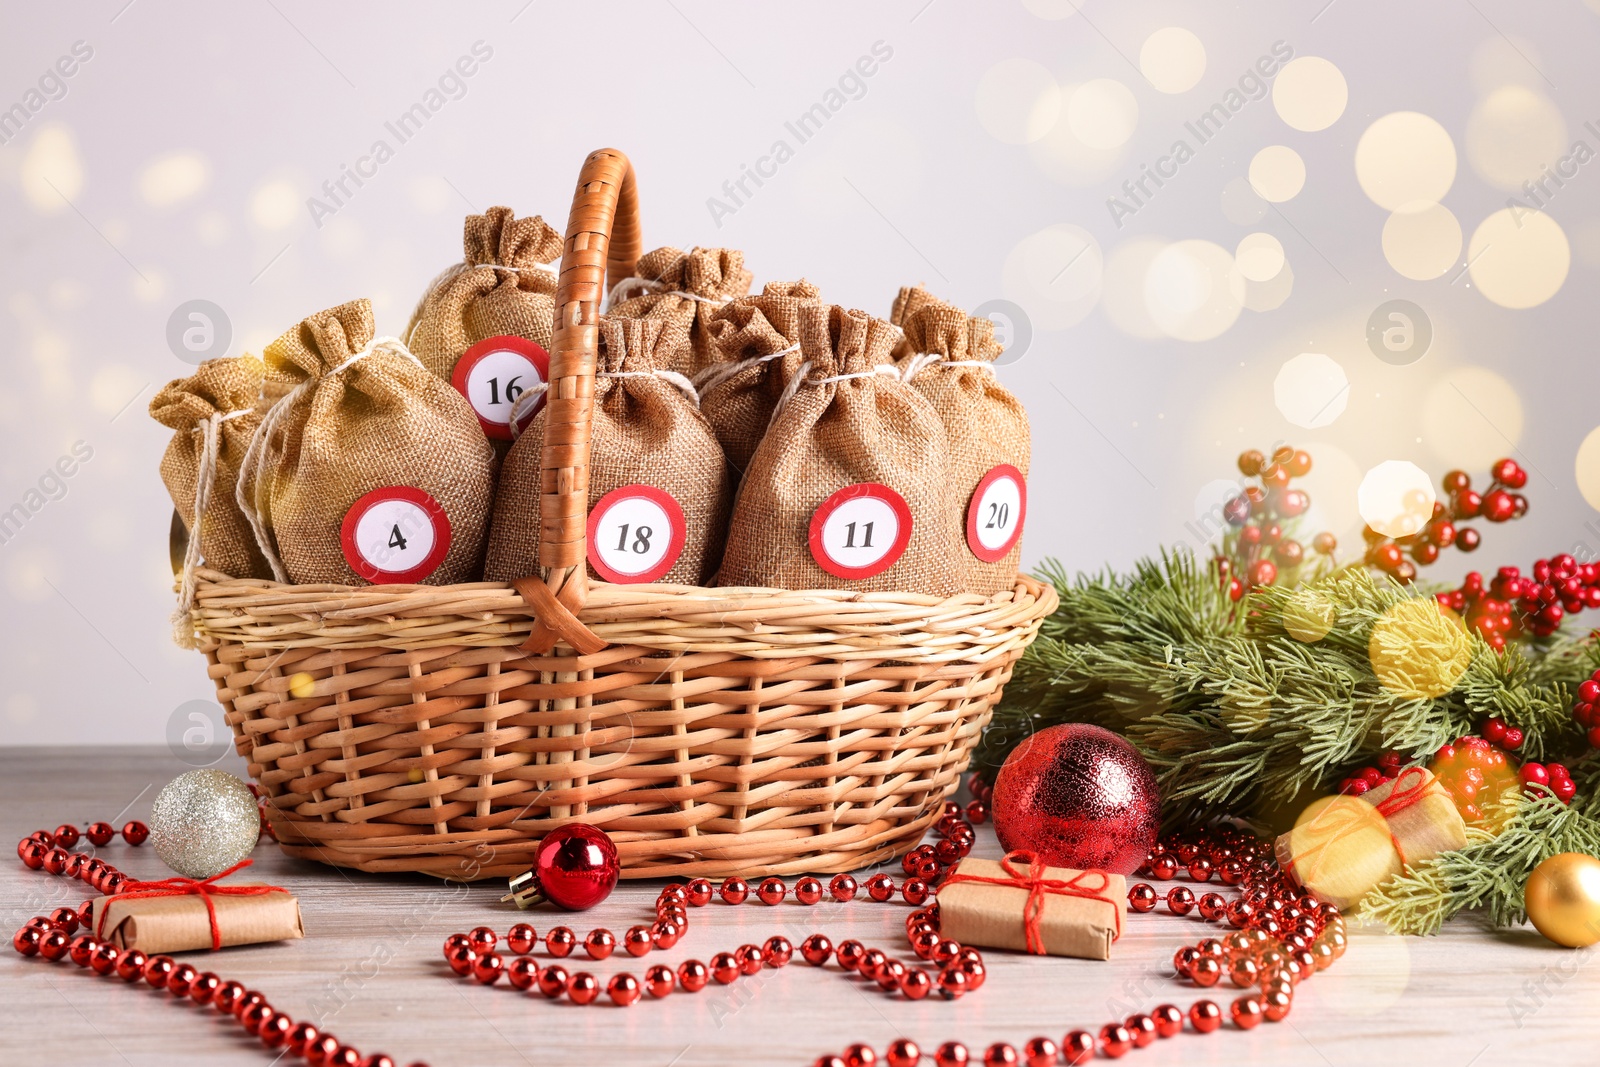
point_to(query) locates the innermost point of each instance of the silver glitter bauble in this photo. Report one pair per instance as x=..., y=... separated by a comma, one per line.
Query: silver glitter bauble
x=204, y=822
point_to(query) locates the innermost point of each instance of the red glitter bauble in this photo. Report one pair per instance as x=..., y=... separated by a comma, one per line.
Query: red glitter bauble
x=1079, y=796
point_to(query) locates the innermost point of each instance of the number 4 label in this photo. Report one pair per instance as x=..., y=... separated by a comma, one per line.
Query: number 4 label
x=860, y=531
x=636, y=534
x=396, y=534
x=994, y=517
x=493, y=373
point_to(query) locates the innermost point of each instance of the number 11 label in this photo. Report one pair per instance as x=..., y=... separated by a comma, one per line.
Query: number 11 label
x=994, y=517
x=493, y=373
x=397, y=534
x=860, y=531
x=636, y=534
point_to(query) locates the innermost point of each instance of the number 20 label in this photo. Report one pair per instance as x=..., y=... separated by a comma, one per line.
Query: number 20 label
x=397, y=534
x=493, y=373
x=636, y=534
x=994, y=517
x=860, y=531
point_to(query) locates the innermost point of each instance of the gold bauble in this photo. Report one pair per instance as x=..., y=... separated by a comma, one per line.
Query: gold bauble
x=1562, y=898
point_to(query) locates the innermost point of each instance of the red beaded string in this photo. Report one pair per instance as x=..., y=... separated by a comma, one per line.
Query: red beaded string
x=1280, y=937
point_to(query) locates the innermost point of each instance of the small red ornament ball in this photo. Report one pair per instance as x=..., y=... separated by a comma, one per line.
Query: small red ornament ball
x=1080, y=797
x=577, y=866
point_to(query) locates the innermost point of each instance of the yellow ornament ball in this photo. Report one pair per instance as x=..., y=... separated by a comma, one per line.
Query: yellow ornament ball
x=1562, y=898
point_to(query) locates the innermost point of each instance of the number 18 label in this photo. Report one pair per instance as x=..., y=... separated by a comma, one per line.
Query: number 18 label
x=636, y=534
x=860, y=531
x=994, y=517
x=493, y=373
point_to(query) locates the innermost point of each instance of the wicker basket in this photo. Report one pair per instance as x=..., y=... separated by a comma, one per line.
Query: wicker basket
x=445, y=729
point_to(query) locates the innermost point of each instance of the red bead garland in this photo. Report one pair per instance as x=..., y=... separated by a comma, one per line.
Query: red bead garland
x=1281, y=936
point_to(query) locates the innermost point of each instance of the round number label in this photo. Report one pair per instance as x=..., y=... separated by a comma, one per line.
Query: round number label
x=636, y=534
x=493, y=373
x=995, y=514
x=396, y=534
x=860, y=531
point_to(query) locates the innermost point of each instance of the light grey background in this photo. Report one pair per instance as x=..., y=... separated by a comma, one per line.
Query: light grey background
x=178, y=163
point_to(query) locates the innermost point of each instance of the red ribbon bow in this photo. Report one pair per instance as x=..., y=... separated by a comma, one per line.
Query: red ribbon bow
x=1038, y=886
x=1411, y=787
x=204, y=888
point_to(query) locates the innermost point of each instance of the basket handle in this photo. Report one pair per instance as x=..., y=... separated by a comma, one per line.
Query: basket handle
x=602, y=236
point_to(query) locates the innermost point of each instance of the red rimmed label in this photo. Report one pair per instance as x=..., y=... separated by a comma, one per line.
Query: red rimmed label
x=860, y=531
x=995, y=514
x=493, y=373
x=395, y=535
x=636, y=534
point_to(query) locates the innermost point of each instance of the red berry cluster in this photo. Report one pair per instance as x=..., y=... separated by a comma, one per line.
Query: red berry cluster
x=1587, y=709
x=1514, y=603
x=1369, y=778
x=1259, y=545
x=1498, y=504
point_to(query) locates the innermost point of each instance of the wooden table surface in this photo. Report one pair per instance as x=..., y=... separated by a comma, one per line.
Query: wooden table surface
x=370, y=971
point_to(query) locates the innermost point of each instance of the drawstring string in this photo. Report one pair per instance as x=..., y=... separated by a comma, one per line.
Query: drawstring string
x=248, y=493
x=455, y=270
x=210, y=430
x=714, y=375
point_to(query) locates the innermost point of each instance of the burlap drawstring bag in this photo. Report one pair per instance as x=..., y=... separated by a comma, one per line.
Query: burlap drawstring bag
x=364, y=425
x=846, y=428
x=647, y=432
x=948, y=357
x=686, y=288
x=755, y=352
x=213, y=415
x=500, y=289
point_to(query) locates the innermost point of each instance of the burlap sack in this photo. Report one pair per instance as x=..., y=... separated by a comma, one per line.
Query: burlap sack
x=686, y=288
x=948, y=357
x=363, y=415
x=841, y=423
x=499, y=289
x=647, y=430
x=213, y=415
x=755, y=351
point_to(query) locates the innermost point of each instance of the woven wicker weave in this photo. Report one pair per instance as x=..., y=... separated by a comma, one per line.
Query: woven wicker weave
x=445, y=729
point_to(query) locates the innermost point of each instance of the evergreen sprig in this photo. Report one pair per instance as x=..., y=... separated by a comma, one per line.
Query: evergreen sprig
x=1252, y=709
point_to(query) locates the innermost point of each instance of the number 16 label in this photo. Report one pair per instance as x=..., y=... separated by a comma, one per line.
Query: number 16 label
x=860, y=531
x=493, y=373
x=636, y=534
x=994, y=517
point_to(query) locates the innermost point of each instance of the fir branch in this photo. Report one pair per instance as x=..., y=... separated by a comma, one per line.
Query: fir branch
x=1490, y=874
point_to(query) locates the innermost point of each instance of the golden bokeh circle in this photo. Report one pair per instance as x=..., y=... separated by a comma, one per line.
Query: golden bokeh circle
x=1421, y=240
x=1102, y=113
x=1122, y=298
x=1310, y=93
x=1260, y=256
x=1396, y=498
x=1513, y=134
x=1193, y=290
x=1311, y=390
x=1056, y=274
x=1172, y=59
x=1519, y=258
x=1586, y=466
x=1269, y=295
x=1471, y=417
x=1277, y=173
x=1405, y=156
x=1419, y=649
x=1309, y=616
